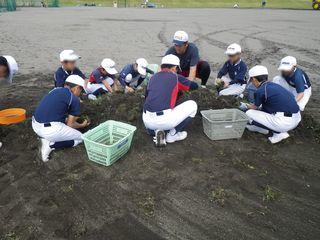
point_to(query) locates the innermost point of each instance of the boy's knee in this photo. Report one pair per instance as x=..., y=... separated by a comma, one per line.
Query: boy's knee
x=192, y=105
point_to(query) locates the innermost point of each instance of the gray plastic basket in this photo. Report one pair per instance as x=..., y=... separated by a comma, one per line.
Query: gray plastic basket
x=224, y=123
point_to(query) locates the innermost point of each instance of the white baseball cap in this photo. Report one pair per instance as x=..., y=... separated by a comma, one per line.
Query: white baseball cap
x=233, y=49
x=13, y=67
x=68, y=55
x=171, y=60
x=142, y=66
x=180, y=38
x=287, y=63
x=258, y=71
x=109, y=65
x=77, y=80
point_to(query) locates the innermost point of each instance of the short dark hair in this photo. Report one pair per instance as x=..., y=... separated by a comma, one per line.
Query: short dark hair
x=262, y=78
x=167, y=66
x=4, y=62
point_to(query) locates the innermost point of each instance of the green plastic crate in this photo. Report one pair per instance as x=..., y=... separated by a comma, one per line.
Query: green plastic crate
x=224, y=124
x=108, y=142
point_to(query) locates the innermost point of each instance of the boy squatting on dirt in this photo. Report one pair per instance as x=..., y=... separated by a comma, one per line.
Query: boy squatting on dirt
x=133, y=75
x=8, y=67
x=294, y=80
x=233, y=73
x=102, y=79
x=68, y=59
x=160, y=112
x=275, y=109
x=55, y=119
x=191, y=66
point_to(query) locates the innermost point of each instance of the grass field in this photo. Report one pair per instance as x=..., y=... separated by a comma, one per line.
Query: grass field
x=297, y=4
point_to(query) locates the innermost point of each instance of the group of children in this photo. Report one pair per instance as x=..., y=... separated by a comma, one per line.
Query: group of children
x=275, y=105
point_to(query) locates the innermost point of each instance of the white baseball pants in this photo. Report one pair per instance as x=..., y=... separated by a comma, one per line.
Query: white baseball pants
x=275, y=122
x=171, y=117
x=92, y=87
x=307, y=92
x=57, y=132
x=233, y=89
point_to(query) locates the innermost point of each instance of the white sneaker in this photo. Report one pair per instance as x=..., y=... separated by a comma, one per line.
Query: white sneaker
x=92, y=97
x=203, y=86
x=179, y=136
x=45, y=150
x=0, y=144
x=254, y=128
x=278, y=137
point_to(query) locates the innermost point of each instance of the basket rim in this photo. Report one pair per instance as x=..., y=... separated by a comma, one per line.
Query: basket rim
x=84, y=137
x=225, y=109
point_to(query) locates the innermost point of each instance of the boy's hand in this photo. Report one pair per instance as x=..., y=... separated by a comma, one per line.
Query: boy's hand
x=129, y=90
x=225, y=84
x=85, y=123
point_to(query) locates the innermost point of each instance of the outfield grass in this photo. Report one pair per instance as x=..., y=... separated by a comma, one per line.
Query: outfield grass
x=297, y=4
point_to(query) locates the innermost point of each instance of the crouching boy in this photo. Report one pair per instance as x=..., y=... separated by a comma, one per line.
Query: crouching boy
x=68, y=59
x=55, y=119
x=295, y=80
x=274, y=108
x=160, y=112
x=233, y=73
x=133, y=75
x=101, y=80
x=8, y=67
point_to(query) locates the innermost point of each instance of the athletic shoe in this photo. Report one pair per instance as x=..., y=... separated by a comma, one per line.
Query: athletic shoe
x=45, y=150
x=278, y=137
x=254, y=128
x=160, y=138
x=179, y=136
x=203, y=86
x=92, y=97
x=0, y=144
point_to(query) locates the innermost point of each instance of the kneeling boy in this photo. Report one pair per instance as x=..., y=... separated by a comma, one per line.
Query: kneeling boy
x=102, y=79
x=55, y=119
x=160, y=112
x=274, y=108
x=68, y=59
x=295, y=80
x=233, y=73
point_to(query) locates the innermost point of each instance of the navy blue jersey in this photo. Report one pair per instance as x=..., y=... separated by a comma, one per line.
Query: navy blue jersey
x=61, y=75
x=237, y=72
x=136, y=76
x=57, y=105
x=273, y=98
x=299, y=80
x=189, y=59
x=162, y=90
x=97, y=77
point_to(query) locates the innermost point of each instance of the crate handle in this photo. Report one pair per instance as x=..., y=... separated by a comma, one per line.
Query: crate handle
x=228, y=126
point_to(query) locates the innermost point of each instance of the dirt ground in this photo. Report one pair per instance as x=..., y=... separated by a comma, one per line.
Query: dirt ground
x=196, y=189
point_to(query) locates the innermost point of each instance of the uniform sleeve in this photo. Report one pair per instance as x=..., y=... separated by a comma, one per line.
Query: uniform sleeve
x=170, y=51
x=300, y=82
x=194, y=57
x=223, y=71
x=241, y=76
x=183, y=83
x=59, y=79
x=79, y=73
x=95, y=77
x=74, y=108
x=259, y=97
x=123, y=74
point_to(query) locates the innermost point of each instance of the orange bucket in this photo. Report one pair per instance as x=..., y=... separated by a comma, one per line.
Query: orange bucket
x=12, y=115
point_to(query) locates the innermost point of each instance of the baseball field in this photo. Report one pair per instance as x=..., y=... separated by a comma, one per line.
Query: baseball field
x=197, y=189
